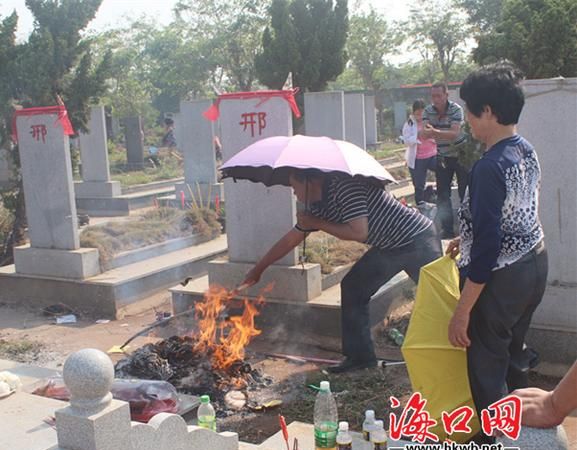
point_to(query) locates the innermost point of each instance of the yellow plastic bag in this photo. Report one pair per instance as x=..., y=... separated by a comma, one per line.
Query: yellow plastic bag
x=437, y=369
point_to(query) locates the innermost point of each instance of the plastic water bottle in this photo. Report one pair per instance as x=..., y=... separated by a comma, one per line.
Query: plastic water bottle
x=396, y=336
x=379, y=436
x=206, y=414
x=344, y=439
x=325, y=418
x=368, y=427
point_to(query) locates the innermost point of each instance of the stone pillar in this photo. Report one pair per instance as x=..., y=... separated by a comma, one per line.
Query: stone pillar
x=400, y=115
x=134, y=142
x=54, y=248
x=257, y=216
x=197, y=147
x=94, y=155
x=355, y=119
x=93, y=421
x=370, y=120
x=548, y=122
x=325, y=114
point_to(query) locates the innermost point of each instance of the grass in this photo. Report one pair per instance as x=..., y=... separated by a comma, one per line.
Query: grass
x=154, y=227
x=331, y=252
x=354, y=393
x=19, y=349
x=170, y=168
x=386, y=149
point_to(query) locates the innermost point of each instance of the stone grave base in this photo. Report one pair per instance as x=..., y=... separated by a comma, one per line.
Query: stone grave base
x=97, y=189
x=131, y=198
x=320, y=315
x=289, y=283
x=115, y=293
x=77, y=264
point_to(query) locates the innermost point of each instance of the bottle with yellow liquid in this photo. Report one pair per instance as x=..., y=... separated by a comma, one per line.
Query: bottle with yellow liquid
x=325, y=419
x=344, y=439
x=379, y=436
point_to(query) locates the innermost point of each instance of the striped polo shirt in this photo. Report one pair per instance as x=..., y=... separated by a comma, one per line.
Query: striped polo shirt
x=453, y=114
x=391, y=224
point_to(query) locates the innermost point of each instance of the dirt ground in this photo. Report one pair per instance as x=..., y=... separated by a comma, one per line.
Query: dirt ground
x=30, y=336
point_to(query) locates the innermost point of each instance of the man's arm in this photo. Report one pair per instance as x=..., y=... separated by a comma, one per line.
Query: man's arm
x=284, y=245
x=542, y=409
x=451, y=134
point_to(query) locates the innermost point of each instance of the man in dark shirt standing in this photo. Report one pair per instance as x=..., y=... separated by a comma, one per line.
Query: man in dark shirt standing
x=442, y=121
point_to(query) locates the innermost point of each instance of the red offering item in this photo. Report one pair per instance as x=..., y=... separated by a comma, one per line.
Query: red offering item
x=146, y=398
x=284, y=429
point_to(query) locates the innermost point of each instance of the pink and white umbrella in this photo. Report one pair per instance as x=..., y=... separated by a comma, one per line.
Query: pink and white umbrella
x=271, y=160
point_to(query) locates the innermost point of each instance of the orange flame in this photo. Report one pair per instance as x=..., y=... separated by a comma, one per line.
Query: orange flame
x=225, y=339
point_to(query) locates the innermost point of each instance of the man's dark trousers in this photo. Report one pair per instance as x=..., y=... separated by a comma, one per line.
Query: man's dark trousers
x=373, y=270
x=447, y=167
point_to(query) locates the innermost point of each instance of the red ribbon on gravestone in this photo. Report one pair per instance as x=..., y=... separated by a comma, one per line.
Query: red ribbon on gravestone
x=213, y=112
x=60, y=110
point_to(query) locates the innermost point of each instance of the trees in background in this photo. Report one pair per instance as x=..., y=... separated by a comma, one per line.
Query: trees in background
x=371, y=39
x=438, y=31
x=539, y=36
x=306, y=38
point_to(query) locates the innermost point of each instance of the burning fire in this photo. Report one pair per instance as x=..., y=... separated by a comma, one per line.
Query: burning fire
x=225, y=338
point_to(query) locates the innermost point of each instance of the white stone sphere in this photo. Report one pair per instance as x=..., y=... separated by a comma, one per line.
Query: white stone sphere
x=88, y=375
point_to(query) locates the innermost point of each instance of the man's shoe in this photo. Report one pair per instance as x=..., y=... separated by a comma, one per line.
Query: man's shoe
x=349, y=365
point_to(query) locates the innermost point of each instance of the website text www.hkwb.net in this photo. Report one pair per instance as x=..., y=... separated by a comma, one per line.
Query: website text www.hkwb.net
x=454, y=446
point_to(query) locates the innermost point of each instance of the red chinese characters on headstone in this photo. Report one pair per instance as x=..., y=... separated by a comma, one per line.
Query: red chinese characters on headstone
x=416, y=425
x=253, y=120
x=506, y=417
x=458, y=420
x=38, y=132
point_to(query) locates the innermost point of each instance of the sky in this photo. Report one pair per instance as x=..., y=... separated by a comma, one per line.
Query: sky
x=113, y=13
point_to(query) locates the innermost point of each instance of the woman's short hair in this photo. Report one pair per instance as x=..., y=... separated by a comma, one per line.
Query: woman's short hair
x=418, y=104
x=497, y=86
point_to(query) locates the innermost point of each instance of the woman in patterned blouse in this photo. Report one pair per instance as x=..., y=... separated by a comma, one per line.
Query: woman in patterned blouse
x=503, y=263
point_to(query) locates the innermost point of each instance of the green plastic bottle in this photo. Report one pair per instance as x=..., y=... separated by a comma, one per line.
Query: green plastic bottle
x=325, y=419
x=206, y=414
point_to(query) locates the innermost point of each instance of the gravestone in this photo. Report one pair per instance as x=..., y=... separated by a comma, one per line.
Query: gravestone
x=54, y=248
x=325, y=114
x=197, y=146
x=400, y=115
x=355, y=119
x=257, y=216
x=370, y=120
x=134, y=142
x=549, y=121
x=94, y=156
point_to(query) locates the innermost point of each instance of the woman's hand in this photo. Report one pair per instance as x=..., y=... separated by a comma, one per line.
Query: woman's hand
x=458, y=327
x=453, y=248
x=308, y=222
